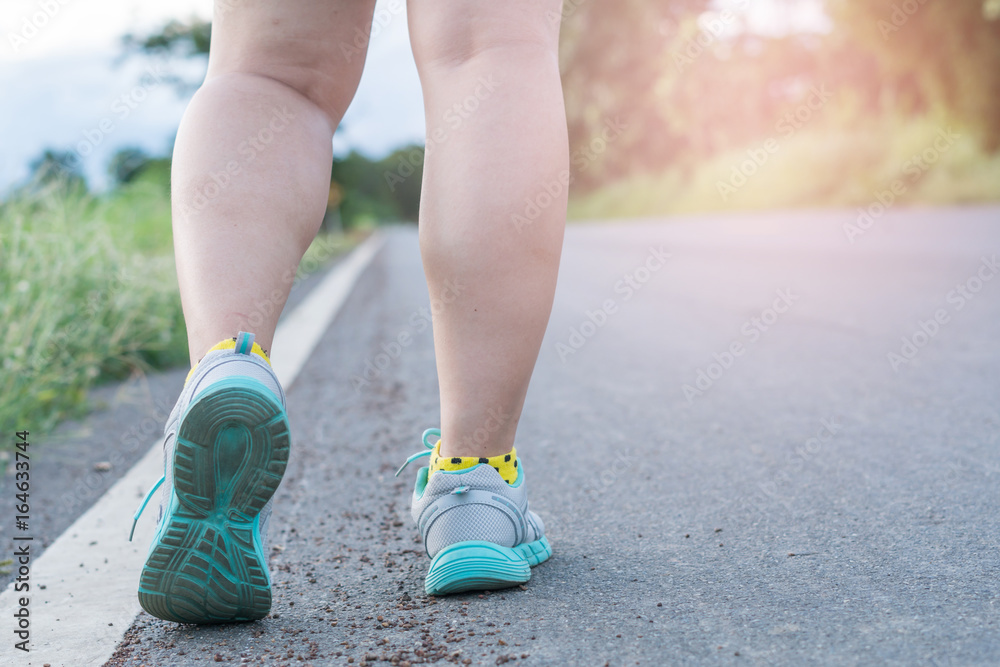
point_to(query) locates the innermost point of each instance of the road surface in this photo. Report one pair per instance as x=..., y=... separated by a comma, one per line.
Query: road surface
x=753, y=439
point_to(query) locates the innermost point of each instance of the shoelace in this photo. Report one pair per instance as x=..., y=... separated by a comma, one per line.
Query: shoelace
x=436, y=433
x=138, y=512
x=430, y=444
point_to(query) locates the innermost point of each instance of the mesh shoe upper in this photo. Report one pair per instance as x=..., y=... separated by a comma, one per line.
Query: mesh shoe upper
x=473, y=504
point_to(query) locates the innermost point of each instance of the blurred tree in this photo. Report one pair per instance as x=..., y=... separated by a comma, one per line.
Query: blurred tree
x=933, y=55
x=177, y=39
x=690, y=81
x=386, y=189
x=57, y=166
x=616, y=60
x=126, y=164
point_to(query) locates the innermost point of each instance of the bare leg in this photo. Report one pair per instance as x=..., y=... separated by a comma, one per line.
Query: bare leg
x=496, y=130
x=251, y=167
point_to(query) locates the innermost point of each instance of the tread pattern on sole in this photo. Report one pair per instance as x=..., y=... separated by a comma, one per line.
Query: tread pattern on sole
x=477, y=566
x=230, y=455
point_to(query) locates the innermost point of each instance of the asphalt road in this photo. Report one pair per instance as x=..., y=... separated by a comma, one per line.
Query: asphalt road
x=82, y=458
x=807, y=499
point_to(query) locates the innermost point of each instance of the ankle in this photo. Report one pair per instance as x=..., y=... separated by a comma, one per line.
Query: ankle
x=242, y=343
x=505, y=463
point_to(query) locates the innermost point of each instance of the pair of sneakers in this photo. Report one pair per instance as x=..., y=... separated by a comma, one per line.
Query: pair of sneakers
x=225, y=448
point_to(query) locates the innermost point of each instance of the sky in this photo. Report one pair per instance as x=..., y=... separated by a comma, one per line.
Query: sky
x=64, y=87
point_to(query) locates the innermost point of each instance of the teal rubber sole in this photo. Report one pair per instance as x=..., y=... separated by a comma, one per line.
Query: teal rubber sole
x=206, y=563
x=478, y=566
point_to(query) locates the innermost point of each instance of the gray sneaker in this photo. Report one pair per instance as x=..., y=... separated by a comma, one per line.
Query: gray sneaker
x=476, y=527
x=225, y=448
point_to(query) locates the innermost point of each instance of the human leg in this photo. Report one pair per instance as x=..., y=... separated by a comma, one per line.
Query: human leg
x=496, y=139
x=250, y=181
x=251, y=168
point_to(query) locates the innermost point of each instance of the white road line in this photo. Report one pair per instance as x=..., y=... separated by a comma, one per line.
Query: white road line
x=91, y=572
x=299, y=333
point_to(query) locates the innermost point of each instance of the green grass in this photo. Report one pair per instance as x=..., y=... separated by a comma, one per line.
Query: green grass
x=816, y=167
x=87, y=294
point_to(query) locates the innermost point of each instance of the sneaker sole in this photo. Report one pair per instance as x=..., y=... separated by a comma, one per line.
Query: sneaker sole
x=206, y=564
x=478, y=566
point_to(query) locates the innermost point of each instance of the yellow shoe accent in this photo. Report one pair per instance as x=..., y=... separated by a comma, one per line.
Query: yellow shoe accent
x=505, y=464
x=230, y=344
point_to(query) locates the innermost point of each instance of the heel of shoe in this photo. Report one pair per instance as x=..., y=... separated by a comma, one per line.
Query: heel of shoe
x=207, y=562
x=477, y=566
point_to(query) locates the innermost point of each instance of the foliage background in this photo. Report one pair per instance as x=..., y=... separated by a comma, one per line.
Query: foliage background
x=697, y=97
x=88, y=292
